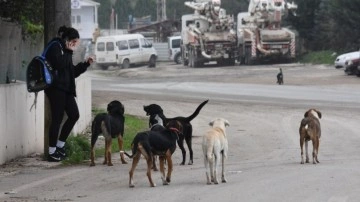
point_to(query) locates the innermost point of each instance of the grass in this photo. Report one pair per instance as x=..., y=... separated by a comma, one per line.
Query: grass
x=78, y=147
x=319, y=57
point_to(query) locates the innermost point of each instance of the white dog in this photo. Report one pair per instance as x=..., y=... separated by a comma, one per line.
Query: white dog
x=214, y=145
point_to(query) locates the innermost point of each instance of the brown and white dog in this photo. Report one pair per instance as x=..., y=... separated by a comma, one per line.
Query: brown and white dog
x=310, y=130
x=214, y=145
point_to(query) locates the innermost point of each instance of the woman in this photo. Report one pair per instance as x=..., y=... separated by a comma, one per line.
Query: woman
x=62, y=93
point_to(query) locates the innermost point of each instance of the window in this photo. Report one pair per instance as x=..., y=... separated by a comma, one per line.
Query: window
x=134, y=43
x=73, y=19
x=78, y=19
x=109, y=46
x=123, y=45
x=101, y=46
x=176, y=43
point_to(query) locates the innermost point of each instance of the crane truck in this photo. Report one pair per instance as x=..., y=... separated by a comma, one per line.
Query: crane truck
x=260, y=34
x=208, y=34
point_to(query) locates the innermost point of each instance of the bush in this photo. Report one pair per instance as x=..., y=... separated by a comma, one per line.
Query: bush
x=319, y=57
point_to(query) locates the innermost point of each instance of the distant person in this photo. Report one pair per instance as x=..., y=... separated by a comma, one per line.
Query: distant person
x=62, y=92
x=280, y=77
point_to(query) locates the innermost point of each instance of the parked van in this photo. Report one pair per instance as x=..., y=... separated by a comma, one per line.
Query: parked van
x=174, y=49
x=124, y=50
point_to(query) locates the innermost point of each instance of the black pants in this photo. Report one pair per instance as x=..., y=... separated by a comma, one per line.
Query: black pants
x=61, y=102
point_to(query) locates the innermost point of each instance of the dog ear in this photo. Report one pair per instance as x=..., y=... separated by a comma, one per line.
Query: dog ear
x=211, y=123
x=306, y=114
x=227, y=123
x=319, y=113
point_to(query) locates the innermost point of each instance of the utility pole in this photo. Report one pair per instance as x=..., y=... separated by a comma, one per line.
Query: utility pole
x=56, y=14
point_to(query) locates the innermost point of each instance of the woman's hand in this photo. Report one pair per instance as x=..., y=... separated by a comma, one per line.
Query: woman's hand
x=90, y=59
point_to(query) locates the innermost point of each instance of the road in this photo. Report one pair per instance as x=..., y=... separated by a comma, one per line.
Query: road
x=264, y=160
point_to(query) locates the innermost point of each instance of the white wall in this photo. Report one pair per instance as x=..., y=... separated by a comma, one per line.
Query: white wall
x=22, y=130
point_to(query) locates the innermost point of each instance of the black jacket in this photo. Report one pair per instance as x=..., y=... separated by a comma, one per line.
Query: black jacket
x=65, y=71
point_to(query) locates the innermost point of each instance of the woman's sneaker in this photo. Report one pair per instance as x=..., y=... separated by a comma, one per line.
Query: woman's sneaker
x=55, y=157
x=62, y=152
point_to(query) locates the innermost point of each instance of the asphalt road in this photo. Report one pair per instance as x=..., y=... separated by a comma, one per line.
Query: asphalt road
x=264, y=154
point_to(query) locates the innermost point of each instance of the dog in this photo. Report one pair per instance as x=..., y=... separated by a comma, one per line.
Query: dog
x=154, y=110
x=280, y=77
x=310, y=130
x=215, y=145
x=150, y=143
x=110, y=125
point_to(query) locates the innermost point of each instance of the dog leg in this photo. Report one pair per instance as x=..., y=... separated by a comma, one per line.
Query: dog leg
x=183, y=151
x=302, y=149
x=105, y=153
x=317, y=150
x=223, y=179
x=314, y=154
x=154, y=167
x=216, y=163
x=188, y=143
x=206, y=162
x=162, y=170
x=108, y=151
x=131, y=172
x=170, y=166
x=307, y=151
x=92, y=156
x=148, y=158
x=120, y=142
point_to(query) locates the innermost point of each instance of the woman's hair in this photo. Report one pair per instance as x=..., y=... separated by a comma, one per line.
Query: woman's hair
x=69, y=33
x=61, y=30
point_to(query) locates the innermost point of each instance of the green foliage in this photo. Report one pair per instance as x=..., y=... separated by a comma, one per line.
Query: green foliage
x=319, y=57
x=27, y=13
x=78, y=148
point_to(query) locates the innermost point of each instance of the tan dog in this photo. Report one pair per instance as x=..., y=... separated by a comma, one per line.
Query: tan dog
x=310, y=130
x=214, y=145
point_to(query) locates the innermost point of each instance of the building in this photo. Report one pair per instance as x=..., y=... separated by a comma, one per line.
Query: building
x=84, y=17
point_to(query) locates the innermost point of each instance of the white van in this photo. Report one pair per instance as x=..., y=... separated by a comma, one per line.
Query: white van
x=124, y=50
x=174, y=49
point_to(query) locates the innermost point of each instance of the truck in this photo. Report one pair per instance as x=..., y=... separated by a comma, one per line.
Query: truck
x=208, y=34
x=260, y=34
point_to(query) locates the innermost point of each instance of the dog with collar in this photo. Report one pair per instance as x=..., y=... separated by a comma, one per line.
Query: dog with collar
x=310, y=130
x=150, y=143
x=154, y=110
x=215, y=145
x=110, y=125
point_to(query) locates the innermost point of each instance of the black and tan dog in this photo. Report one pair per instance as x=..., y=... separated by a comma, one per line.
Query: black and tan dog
x=155, y=111
x=110, y=125
x=310, y=130
x=150, y=143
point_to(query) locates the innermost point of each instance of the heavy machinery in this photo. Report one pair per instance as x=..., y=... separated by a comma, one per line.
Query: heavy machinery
x=208, y=34
x=260, y=34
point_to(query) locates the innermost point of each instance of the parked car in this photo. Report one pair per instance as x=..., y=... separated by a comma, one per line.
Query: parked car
x=349, y=61
x=124, y=50
x=174, y=49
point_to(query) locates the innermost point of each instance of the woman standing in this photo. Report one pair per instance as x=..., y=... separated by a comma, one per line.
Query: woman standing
x=62, y=93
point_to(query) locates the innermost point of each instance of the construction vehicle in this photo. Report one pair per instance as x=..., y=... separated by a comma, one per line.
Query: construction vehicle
x=208, y=34
x=260, y=34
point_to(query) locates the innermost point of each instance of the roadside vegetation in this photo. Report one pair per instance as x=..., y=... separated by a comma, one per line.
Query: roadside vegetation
x=78, y=147
x=319, y=57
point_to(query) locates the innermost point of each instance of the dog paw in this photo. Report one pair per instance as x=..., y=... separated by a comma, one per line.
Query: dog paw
x=92, y=164
x=110, y=164
x=182, y=163
x=153, y=185
x=131, y=185
x=190, y=163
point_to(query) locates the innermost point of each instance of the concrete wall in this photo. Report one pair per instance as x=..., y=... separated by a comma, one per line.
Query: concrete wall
x=22, y=130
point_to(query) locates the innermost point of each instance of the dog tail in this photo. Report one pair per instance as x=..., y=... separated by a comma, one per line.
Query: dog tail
x=128, y=155
x=197, y=111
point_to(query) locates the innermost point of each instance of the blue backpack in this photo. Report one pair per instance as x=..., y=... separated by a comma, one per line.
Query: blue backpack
x=39, y=73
